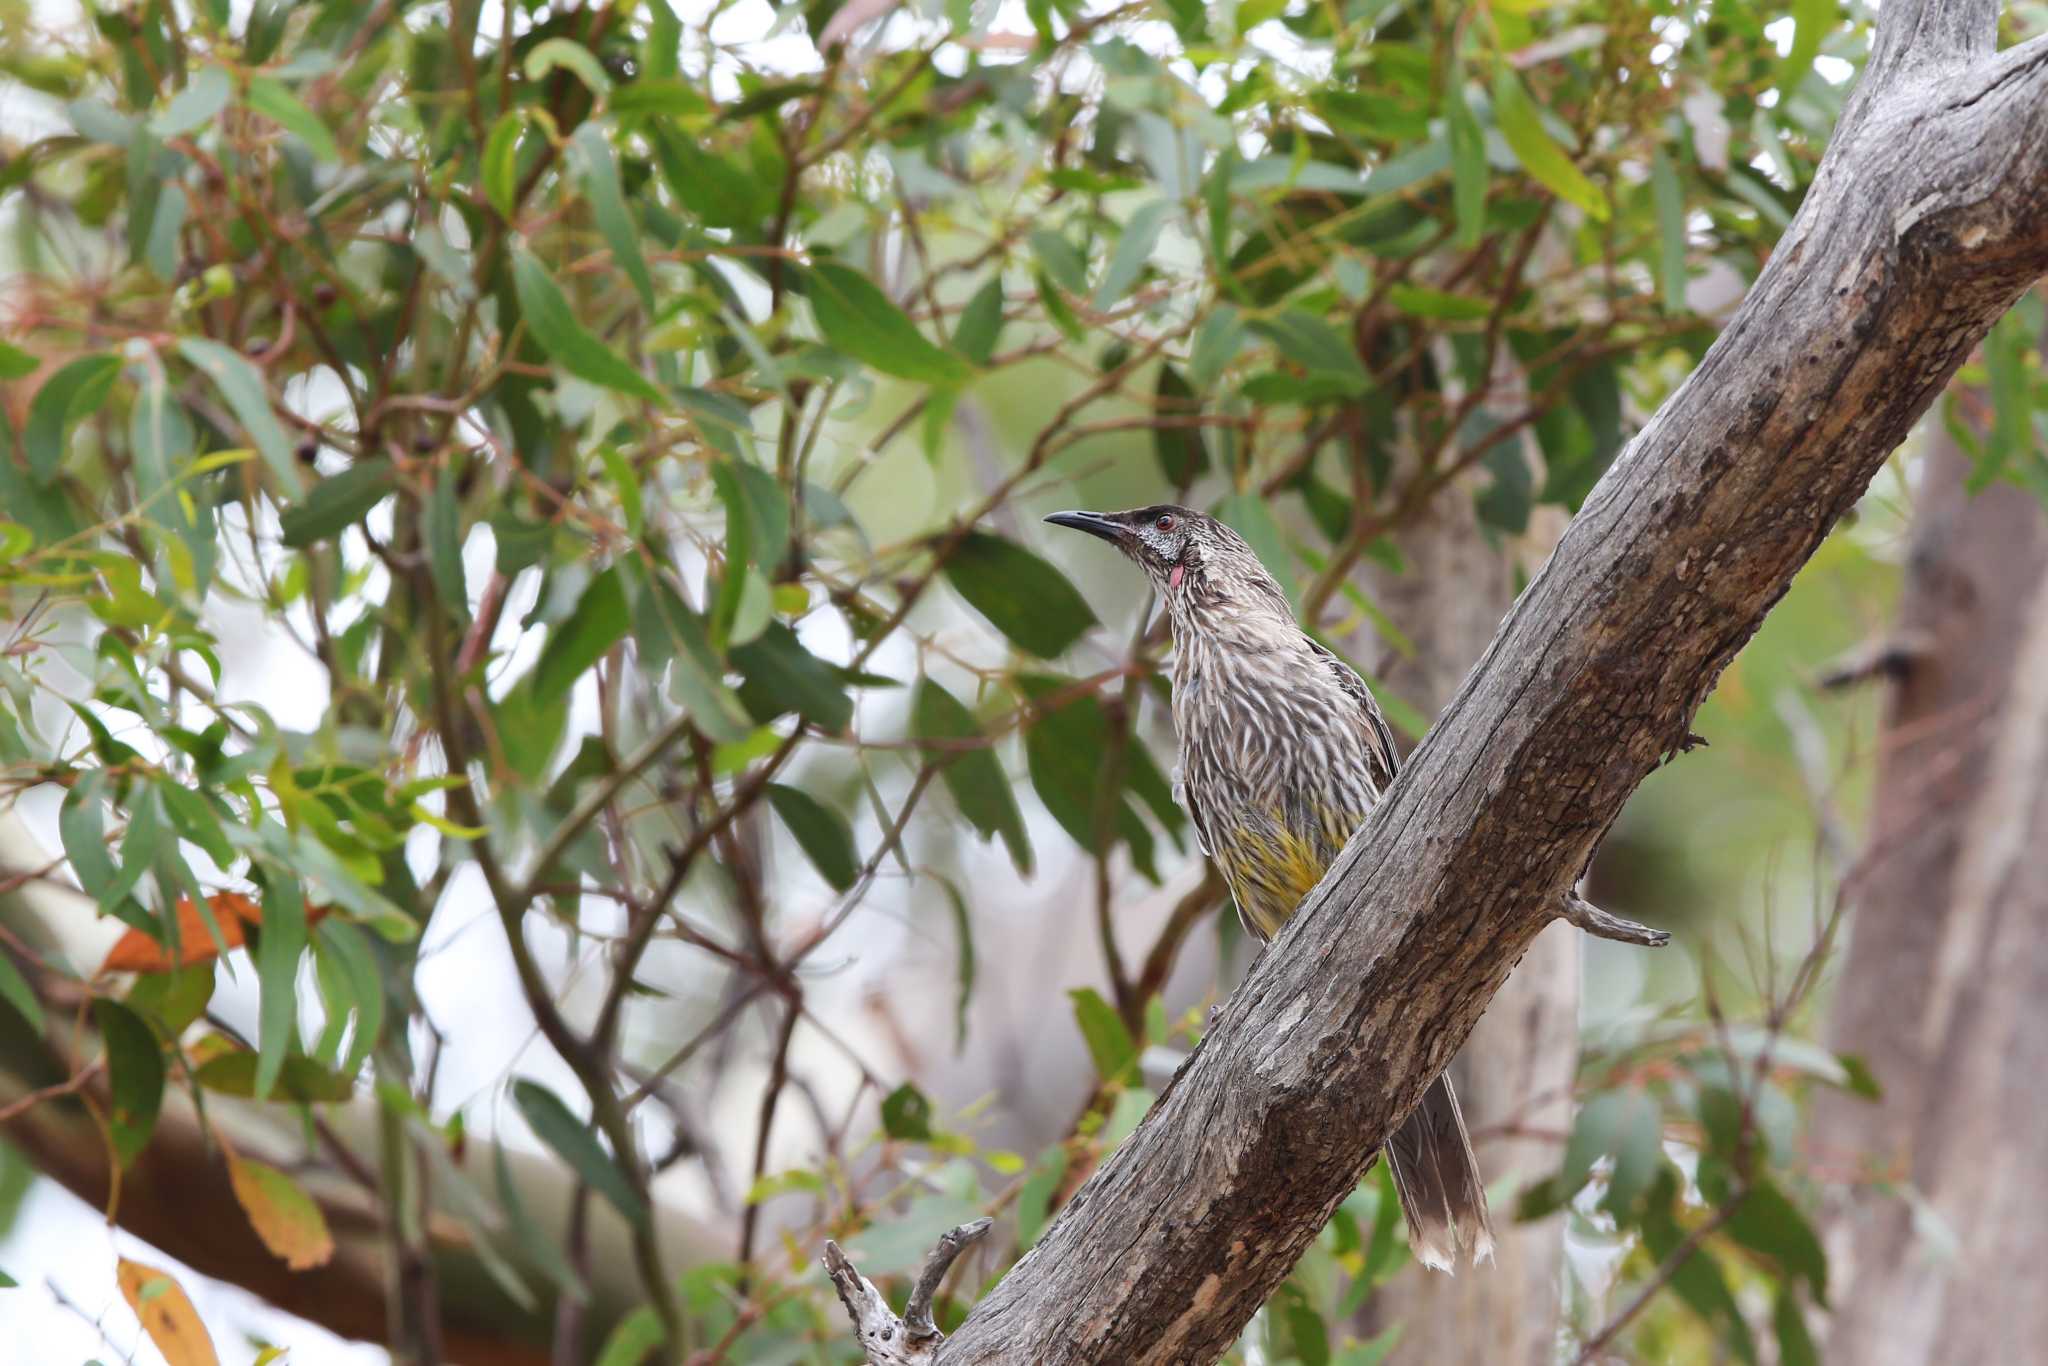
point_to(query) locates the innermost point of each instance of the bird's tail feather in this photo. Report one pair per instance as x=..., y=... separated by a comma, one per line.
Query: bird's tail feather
x=1430, y=1159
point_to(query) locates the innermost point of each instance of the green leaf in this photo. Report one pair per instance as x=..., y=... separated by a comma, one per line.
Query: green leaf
x=1522, y=125
x=976, y=781
x=1022, y=595
x=1216, y=344
x=1034, y=1197
x=907, y=1115
x=277, y=970
x=633, y=1339
x=548, y=316
x=552, y=54
x=821, y=832
x=275, y=101
x=858, y=319
x=1109, y=1043
x=1371, y=1352
x=15, y=362
x=1812, y=21
x=1698, y=1280
x=349, y=948
x=1468, y=162
x=241, y=384
x=752, y=498
x=443, y=528
x=1416, y=301
x=578, y=641
x=300, y=1081
x=1133, y=251
x=1858, y=1078
x=1306, y=1335
x=669, y=634
x=338, y=502
x=1788, y=1320
x=608, y=202
x=782, y=676
x=205, y=95
x=1638, y=1153
x=1067, y=752
x=964, y=970
x=135, y=1064
x=1182, y=453
x=500, y=167
x=980, y=325
x=1317, y=347
x=15, y=991
x=1063, y=263
x=576, y=1143
x=66, y=396
x=1767, y=1223
x=1670, y=202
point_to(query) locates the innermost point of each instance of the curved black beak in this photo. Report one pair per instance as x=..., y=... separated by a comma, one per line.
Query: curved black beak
x=1094, y=523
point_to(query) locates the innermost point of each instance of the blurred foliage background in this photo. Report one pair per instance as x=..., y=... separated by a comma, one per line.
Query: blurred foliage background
x=550, y=766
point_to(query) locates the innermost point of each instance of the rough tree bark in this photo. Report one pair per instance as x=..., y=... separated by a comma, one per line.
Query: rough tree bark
x=1945, y=990
x=1927, y=217
x=1515, y=1072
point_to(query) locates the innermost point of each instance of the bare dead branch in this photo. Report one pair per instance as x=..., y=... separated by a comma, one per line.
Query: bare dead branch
x=1603, y=925
x=1885, y=657
x=913, y=1339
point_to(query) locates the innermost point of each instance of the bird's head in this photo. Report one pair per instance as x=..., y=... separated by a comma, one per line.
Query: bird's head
x=1191, y=558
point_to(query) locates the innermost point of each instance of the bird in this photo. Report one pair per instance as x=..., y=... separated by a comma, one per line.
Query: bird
x=1283, y=754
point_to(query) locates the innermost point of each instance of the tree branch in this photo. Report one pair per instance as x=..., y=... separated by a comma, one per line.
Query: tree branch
x=1927, y=218
x=913, y=1339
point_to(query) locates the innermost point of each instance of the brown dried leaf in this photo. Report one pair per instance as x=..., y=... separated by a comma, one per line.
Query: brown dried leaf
x=283, y=1215
x=167, y=1315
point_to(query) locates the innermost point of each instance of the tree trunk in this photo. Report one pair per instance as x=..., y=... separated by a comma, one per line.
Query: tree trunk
x=1945, y=991
x=1515, y=1073
x=1927, y=218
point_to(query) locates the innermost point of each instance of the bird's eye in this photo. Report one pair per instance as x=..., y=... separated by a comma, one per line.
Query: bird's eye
x=1166, y=522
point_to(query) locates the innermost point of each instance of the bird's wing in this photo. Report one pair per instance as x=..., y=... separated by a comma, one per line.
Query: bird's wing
x=1187, y=804
x=1379, y=740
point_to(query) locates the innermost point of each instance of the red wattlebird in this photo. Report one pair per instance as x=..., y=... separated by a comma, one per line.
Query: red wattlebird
x=1283, y=752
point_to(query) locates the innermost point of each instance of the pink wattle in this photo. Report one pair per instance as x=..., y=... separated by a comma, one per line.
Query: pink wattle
x=1173, y=579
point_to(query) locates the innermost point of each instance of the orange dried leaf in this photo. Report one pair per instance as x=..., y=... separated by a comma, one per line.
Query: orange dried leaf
x=138, y=952
x=167, y=1315
x=283, y=1215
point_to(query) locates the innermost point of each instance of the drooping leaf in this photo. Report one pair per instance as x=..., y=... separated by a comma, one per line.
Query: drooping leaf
x=1768, y=1224
x=66, y=396
x=283, y=1215
x=1133, y=252
x=1468, y=162
x=1522, y=125
x=566, y=54
x=135, y=1066
x=751, y=496
x=241, y=384
x=167, y=1315
x=608, y=203
x=907, y=1114
x=277, y=971
x=274, y=100
x=821, y=833
x=782, y=676
x=1022, y=595
x=976, y=781
x=981, y=323
x=579, y=640
x=300, y=1081
x=858, y=319
x=548, y=316
x=1109, y=1043
x=1182, y=453
x=1669, y=198
x=1317, y=347
x=576, y=1143
x=338, y=502
x=16, y=992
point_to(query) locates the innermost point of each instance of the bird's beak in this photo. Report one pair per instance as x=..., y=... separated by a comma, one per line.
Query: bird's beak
x=1094, y=523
